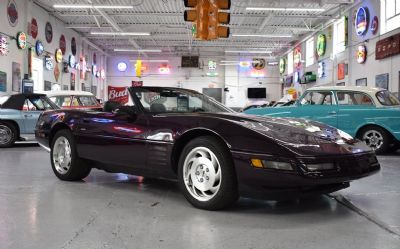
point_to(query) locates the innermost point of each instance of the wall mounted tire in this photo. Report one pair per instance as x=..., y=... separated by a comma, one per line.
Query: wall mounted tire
x=206, y=174
x=8, y=134
x=376, y=138
x=64, y=159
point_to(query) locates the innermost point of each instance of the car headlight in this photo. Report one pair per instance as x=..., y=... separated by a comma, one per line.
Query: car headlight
x=320, y=166
x=345, y=135
x=257, y=163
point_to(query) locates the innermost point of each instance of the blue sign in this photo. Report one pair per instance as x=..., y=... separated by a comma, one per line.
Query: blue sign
x=39, y=48
x=361, y=21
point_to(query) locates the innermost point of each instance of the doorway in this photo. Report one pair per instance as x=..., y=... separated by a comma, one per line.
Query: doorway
x=37, y=74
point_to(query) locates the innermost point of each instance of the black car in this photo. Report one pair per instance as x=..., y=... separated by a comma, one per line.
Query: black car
x=216, y=154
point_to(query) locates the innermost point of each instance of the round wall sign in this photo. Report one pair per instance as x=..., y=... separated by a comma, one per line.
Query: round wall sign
x=321, y=44
x=71, y=61
x=73, y=46
x=361, y=54
x=12, y=13
x=34, y=28
x=362, y=20
x=21, y=40
x=48, y=63
x=297, y=57
x=258, y=63
x=3, y=45
x=39, y=48
x=63, y=44
x=122, y=66
x=374, y=25
x=59, y=55
x=282, y=65
x=48, y=32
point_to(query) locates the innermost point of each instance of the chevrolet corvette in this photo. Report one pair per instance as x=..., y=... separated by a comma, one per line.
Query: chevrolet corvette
x=215, y=154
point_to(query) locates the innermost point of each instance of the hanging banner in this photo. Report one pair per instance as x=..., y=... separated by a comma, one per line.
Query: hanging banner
x=118, y=94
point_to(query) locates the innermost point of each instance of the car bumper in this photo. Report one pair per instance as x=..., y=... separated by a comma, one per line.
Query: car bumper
x=277, y=184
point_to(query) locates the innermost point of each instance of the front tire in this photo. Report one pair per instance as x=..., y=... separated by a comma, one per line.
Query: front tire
x=206, y=174
x=65, y=162
x=376, y=138
x=8, y=134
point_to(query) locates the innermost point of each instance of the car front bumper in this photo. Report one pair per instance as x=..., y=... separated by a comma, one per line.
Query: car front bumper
x=282, y=184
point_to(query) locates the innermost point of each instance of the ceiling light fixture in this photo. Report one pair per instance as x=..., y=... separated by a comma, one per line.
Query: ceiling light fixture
x=265, y=36
x=249, y=51
x=137, y=50
x=88, y=6
x=148, y=61
x=121, y=33
x=284, y=9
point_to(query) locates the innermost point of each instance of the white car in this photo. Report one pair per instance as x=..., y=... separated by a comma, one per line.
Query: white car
x=74, y=99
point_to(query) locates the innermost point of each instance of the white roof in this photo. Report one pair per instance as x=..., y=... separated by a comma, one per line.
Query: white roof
x=67, y=93
x=370, y=90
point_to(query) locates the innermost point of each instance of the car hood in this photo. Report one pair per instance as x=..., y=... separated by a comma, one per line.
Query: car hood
x=301, y=136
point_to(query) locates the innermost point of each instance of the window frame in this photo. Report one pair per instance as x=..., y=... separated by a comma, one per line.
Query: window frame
x=310, y=60
x=354, y=92
x=391, y=23
x=333, y=98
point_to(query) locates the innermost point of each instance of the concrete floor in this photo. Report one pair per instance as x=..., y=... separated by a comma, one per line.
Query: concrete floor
x=117, y=211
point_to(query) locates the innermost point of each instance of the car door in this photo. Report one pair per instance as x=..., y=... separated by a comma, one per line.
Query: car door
x=354, y=110
x=30, y=115
x=113, y=138
x=318, y=105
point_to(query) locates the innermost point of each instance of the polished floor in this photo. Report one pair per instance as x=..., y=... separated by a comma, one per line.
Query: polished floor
x=119, y=211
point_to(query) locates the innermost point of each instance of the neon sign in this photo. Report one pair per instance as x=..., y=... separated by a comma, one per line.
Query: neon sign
x=244, y=64
x=321, y=44
x=361, y=54
x=212, y=65
x=297, y=57
x=21, y=40
x=71, y=61
x=282, y=65
x=321, y=70
x=164, y=69
x=257, y=73
x=361, y=21
x=122, y=66
x=48, y=63
x=3, y=45
x=374, y=25
x=59, y=55
x=39, y=48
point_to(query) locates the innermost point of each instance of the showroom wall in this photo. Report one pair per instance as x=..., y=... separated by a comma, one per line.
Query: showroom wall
x=355, y=70
x=225, y=76
x=21, y=56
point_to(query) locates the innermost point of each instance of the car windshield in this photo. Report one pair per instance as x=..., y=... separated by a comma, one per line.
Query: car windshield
x=87, y=100
x=171, y=100
x=387, y=98
x=38, y=103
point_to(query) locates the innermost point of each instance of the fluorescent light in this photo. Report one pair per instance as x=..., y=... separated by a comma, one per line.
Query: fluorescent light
x=137, y=50
x=229, y=64
x=88, y=6
x=284, y=9
x=229, y=61
x=165, y=61
x=260, y=35
x=249, y=51
x=272, y=63
x=121, y=33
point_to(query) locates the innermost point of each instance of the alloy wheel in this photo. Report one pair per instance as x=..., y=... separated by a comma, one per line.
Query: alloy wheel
x=202, y=173
x=373, y=139
x=62, y=156
x=6, y=134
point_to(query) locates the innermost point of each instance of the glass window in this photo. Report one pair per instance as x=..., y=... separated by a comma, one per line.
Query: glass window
x=354, y=98
x=317, y=98
x=164, y=100
x=290, y=63
x=387, y=98
x=75, y=102
x=340, y=35
x=390, y=15
x=310, y=52
x=63, y=101
x=87, y=100
x=3, y=99
x=37, y=104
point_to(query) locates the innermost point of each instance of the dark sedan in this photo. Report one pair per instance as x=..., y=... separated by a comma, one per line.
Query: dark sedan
x=216, y=154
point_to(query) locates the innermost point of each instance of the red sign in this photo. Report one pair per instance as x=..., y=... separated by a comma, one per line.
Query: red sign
x=63, y=44
x=34, y=28
x=137, y=83
x=118, y=94
x=387, y=47
x=341, y=71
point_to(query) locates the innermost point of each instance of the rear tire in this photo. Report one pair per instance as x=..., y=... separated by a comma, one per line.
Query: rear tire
x=8, y=134
x=206, y=174
x=376, y=138
x=65, y=162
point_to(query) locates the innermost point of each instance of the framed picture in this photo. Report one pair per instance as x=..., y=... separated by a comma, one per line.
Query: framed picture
x=340, y=84
x=382, y=81
x=16, y=76
x=361, y=82
x=47, y=85
x=65, y=88
x=3, y=82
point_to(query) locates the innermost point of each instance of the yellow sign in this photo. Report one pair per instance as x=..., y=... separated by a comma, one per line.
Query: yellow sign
x=291, y=91
x=139, y=68
x=59, y=56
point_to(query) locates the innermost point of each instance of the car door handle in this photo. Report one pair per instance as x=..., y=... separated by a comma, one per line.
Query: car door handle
x=28, y=115
x=332, y=113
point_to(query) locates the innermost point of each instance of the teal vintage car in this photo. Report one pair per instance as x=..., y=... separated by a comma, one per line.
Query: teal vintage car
x=370, y=114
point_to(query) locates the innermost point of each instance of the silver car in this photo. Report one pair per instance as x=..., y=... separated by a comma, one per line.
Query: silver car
x=19, y=114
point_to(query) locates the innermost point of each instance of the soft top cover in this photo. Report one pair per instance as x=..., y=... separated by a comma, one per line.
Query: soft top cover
x=16, y=101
